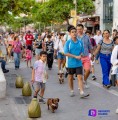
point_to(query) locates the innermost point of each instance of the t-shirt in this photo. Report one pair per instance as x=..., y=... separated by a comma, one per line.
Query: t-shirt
x=39, y=67
x=98, y=38
x=106, y=48
x=49, y=47
x=17, y=46
x=75, y=48
x=39, y=44
x=59, y=46
x=29, y=38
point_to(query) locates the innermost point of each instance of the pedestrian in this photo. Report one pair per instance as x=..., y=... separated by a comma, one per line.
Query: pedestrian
x=38, y=46
x=10, y=41
x=114, y=60
x=73, y=49
x=17, y=51
x=93, y=43
x=39, y=76
x=87, y=49
x=98, y=37
x=28, y=54
x=59, y=51
x=49, y=47
x=29, y=39
x=105, y=48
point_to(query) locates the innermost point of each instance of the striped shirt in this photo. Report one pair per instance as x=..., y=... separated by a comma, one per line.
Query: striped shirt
x=106, y=48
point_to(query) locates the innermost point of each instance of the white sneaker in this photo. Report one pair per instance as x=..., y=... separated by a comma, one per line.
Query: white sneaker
x=72, y=94
x=117, y=110
x=9, y=60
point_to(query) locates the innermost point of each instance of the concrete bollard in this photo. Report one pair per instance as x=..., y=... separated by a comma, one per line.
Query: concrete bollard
x=2, y=84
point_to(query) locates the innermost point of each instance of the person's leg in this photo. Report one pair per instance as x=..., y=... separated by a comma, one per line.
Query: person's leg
x=36, y=88
x=105, y=72
x=51, y=56
x=15, y=59
x=59, y=64
x=87, y=67
x=3, y=63
x=48, y=60
x=42, y=89
x=18, y=60
x=71, y=72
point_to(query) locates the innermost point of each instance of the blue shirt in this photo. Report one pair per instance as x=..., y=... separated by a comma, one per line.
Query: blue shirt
x=75, y=48
x=86, y=43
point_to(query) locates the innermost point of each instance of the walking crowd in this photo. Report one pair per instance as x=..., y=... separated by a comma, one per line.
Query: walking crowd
x=76, y=51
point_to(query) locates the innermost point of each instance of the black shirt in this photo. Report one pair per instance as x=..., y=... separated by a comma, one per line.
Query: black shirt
x=49, y=47
x=39, y=44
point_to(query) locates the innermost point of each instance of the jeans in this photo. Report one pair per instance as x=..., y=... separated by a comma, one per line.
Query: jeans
x=50, y=60
x=3, y=63
x=106, y=66
x=17, y=59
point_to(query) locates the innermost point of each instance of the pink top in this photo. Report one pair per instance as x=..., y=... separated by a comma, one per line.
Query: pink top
x=28, y=54
x=17, y=46
x=39, y=67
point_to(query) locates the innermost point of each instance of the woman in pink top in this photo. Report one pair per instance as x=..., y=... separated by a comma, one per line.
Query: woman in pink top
x=28, y=54
x=17, y=50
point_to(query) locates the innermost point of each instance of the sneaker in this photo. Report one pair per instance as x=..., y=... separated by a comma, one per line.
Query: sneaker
x=94, y=78
x=42, y=101
x=9, y=60
x=84, y=95
x=5, y=71
x=72, y=94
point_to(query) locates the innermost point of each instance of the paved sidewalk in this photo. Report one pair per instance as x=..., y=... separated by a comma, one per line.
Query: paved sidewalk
x=14, y=106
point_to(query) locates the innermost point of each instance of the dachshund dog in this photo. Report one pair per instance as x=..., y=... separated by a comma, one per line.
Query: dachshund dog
x=61, y=77
x=52, y=104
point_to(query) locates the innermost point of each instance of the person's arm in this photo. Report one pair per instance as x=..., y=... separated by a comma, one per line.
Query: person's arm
x=33, y=75
x=90, y=46
x=114, y=60
x=67, y=53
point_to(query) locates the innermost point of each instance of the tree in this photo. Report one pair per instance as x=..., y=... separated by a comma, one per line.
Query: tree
x=59, y=10
x=14, y=7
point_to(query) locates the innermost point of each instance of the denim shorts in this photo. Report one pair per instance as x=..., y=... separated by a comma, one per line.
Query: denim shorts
x=37, y=51
x=39, y=85
x=60, y=56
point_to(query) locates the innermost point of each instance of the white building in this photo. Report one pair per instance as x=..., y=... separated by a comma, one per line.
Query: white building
x=105, y=16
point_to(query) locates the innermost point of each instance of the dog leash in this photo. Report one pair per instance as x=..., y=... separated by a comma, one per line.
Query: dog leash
x=38, y=93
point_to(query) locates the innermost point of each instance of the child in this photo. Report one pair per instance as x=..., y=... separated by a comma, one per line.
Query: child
x=28, y=54
x=39, y=76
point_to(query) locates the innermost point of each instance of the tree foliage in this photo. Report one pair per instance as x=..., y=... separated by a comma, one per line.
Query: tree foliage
x=59, y=10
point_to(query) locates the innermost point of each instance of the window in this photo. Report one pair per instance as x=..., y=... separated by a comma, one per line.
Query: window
x=107, y=11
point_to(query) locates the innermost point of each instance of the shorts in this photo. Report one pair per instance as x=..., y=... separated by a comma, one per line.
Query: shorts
x=60, y=56
x=86, y=62
x=37, y=51
x=77, y=71
x=39, y=85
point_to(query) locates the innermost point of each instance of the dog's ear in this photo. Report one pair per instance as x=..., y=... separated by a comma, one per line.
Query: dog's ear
x=58, y=99
x=52, y=100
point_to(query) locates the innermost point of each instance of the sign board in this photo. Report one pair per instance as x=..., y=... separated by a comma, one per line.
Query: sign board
x=73, y=13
